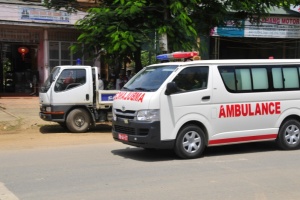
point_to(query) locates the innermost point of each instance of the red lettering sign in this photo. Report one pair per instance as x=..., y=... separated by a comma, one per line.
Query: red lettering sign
x=238, y=110
x=130, y=96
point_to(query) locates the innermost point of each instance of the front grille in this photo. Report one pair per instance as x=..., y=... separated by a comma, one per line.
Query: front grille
x=126, y=111
x=127, y=114
x=125, y=130
x=143, y=131
x=131, y=131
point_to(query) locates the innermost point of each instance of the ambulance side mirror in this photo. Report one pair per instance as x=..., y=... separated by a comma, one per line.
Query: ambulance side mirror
x=171, y=88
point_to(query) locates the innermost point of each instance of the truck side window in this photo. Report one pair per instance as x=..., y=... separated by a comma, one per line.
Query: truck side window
x=192, y=78
x=70, y=78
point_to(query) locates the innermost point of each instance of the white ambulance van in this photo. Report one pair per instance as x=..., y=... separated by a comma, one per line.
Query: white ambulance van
x=188, y=106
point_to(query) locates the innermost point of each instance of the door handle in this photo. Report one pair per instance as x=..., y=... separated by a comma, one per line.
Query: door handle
x=206, y=98
x=87, y=97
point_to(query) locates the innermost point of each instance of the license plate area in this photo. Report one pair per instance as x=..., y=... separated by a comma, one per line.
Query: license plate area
x=123, y=137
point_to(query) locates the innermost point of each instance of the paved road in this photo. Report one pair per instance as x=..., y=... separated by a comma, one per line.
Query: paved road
x=92, y=167
x=116, y=171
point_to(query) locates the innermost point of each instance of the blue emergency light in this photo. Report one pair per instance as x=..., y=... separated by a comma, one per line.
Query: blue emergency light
x=78, y=61
x=163, y=56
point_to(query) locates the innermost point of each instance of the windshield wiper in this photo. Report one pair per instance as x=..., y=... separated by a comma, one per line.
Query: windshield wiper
x=126, y=88
x=142, y=89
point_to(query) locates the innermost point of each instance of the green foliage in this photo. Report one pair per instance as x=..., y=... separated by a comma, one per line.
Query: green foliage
x=125, y=27
x=68, y=5
x=148, y=58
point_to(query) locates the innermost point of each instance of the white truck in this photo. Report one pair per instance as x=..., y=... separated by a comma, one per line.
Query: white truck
x=70, y=97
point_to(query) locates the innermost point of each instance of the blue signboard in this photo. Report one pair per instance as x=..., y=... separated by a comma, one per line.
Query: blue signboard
x=44, y=15
x=107, y=97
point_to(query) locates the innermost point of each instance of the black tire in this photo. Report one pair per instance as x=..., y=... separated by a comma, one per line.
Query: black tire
x=78, y=121
x=190, y=142
x=289, y=135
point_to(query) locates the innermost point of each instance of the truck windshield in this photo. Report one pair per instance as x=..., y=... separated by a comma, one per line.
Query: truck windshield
x=150, y=78
x=46, y=85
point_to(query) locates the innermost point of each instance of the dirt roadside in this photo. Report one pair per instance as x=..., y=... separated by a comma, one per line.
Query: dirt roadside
x=21, y=128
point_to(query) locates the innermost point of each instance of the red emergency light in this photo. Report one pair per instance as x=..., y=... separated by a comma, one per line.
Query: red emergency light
x=184, y=54
x=177, y=55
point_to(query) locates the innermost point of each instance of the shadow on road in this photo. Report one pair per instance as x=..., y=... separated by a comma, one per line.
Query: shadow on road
x=56, y=128
x=145, y=155
x=255, y=147
x=141, y=154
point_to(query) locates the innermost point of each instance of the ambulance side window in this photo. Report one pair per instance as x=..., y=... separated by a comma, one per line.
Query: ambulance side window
x=192, y=78
x=245, y=78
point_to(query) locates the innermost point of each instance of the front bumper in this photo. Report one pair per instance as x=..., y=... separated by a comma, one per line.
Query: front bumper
x=140, y=134
x=48, y=117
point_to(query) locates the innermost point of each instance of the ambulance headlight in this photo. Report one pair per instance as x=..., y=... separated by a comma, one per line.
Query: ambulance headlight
x=148, y=115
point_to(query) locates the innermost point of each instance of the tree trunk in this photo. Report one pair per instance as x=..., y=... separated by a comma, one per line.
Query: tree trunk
x=137, y=60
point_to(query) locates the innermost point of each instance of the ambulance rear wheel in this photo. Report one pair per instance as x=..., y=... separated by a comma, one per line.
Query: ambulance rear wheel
x=289, y=135
x=78, y=121
x=190, y=142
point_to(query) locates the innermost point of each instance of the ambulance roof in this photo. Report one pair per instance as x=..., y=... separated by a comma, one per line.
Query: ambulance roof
x=233, y=61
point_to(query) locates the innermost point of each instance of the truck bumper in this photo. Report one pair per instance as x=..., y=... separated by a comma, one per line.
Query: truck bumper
x=46, y=117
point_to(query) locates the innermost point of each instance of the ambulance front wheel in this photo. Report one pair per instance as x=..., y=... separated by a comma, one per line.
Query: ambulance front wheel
x=78, y=121
x=289, y=135
x=190, y=142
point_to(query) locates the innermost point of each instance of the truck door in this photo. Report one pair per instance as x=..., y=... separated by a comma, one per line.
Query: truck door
x=73, y=86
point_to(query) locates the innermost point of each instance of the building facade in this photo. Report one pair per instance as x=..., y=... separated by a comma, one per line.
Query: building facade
x=276, y=36
x=33, y=40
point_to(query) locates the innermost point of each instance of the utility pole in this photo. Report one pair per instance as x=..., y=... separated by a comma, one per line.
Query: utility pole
x=163, y=39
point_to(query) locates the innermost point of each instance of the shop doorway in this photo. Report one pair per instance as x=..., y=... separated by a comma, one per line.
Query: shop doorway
x=18, y=69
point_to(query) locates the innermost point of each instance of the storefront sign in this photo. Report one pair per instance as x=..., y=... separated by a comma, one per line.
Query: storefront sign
x=295, y=8
x=270, y=27
x=43, y=15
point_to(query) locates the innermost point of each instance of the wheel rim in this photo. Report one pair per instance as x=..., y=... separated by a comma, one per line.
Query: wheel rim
x=191, y=141
x=79, y=121
x=292, y=134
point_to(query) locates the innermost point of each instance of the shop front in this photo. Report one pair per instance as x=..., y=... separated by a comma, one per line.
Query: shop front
x=19, y=64
x=32, y=41
x=276, y=36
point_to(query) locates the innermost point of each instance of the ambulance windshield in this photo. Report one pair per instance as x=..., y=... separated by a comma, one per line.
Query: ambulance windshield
x=150, y=78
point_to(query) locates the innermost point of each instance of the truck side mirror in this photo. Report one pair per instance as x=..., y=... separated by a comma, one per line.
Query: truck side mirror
x=171, y=88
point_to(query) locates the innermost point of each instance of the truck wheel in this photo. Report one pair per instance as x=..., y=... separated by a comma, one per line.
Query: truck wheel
x=78, y=121
x=289, y=135
x=190, y=142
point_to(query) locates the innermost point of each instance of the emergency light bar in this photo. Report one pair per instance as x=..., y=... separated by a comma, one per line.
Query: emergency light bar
x=177, y=55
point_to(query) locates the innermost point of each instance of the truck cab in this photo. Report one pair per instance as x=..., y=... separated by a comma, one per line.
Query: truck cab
x=70, y=97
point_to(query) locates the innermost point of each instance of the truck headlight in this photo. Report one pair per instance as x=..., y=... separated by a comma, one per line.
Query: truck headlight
x=148, y=115
x=48, y=109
